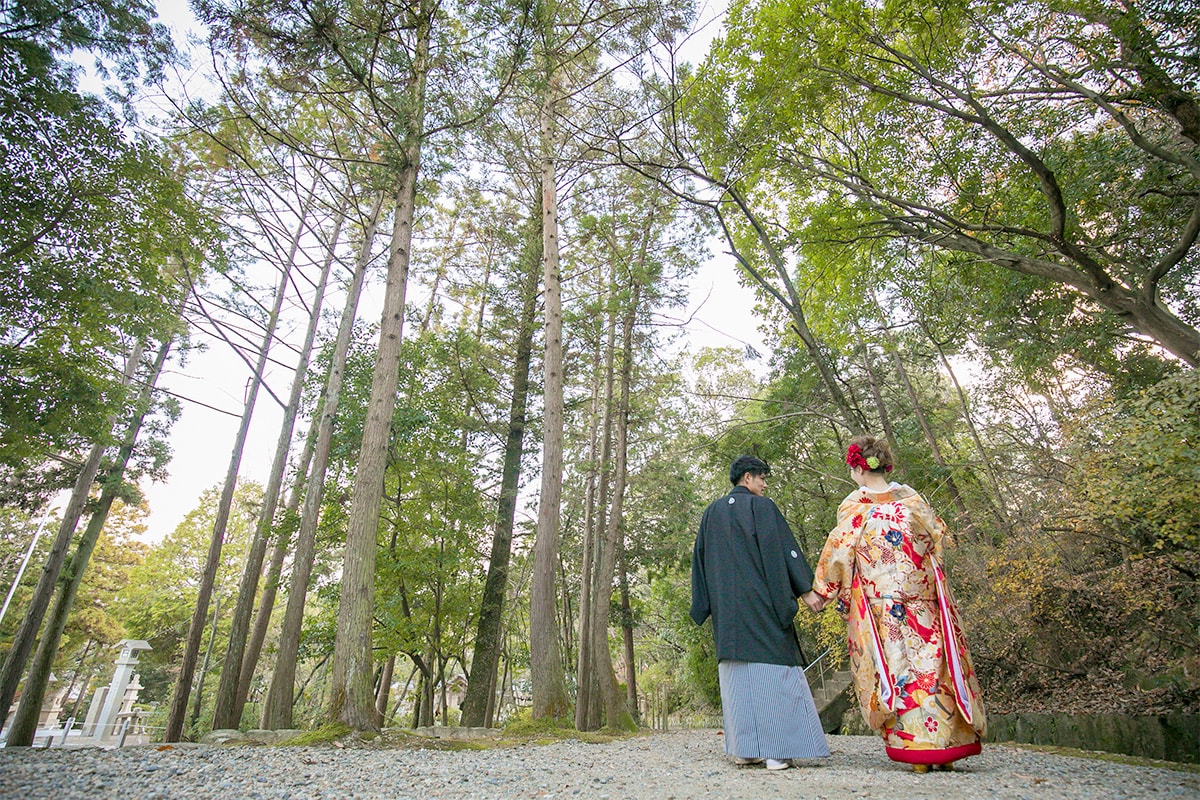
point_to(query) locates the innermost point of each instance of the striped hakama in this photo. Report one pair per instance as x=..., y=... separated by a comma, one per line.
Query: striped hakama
x=769, y=712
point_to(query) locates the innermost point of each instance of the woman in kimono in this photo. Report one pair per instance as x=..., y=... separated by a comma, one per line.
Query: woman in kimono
x=912, y=673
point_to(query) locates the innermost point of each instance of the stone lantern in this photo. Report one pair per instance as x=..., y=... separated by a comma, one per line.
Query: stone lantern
x=110, y=700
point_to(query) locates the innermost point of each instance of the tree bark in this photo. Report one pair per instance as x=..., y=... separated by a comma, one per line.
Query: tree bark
x=384, y=692
x=616, y=713
x=589, y=696
x=351, y=700
x=87, y=683
x=212, y=638
x=550, y=698
x=266, y=605
x=277, y=705
x=885, y=418
x=631, y=690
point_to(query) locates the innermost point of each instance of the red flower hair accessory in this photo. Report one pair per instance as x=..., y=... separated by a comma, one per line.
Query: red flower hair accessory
x=854, y=457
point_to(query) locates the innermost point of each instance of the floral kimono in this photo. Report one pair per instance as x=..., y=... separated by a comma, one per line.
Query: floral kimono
x=912, y=673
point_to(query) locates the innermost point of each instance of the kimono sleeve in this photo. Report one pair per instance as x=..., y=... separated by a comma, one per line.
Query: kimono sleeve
x=835, y=569
x=800, y=574
x=700, y=603
x=924, y=517
x=783, y=565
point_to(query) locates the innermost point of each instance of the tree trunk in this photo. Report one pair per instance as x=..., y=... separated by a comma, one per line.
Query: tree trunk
x=423, y=702
x=24, y=725
x=277, y=705
x=584, y=684
x=212, y=638
x=504, y=680
x=384, y=692
x=427, y=704
x=87, y=683
x=481, y=683
x=266, y=604
x=435, y=635
x=489, y=718
x=550, y=698
x=631, y=690
x=187, y=667
x=26, y=635
x=885, y=418
x=589, y=700
x=616, y=713
x=227, y=711
x=351, y=700
x=443, y=706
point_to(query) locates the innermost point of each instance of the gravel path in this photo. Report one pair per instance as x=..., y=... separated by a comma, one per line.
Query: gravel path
x=670, y=766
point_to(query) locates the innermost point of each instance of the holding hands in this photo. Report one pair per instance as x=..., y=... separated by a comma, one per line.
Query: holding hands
x=814, y=601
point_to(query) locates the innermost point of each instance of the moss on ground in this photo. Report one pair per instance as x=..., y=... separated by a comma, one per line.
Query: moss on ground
x=546, y=731
x=326, y=734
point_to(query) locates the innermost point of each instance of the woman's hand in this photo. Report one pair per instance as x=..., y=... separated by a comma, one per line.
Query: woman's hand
x=814, y=601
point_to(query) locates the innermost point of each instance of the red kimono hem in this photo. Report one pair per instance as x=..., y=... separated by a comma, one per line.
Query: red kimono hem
x=938, y=756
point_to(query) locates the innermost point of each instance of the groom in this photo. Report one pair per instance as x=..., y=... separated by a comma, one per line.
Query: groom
x=747, y=572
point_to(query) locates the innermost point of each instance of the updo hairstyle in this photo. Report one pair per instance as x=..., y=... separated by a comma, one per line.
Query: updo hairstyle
x=878, y=448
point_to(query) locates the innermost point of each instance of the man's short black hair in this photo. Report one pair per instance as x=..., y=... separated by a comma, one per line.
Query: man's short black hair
x=747, y=464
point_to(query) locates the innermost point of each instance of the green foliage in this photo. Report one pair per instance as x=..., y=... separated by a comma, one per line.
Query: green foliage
x=433, y=521
x=1062, y=615
x=865, y=136
x=95, y=613
x=95, y=225
x=700, y=670
x=119, y=34
x=685, y=651
x=914, y=126
x=93, y=221
x=1140, y=482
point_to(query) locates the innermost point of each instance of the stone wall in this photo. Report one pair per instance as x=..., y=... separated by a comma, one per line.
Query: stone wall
x=1172, y=737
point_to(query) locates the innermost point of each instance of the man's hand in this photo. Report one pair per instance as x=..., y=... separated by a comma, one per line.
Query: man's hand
x=814, y=601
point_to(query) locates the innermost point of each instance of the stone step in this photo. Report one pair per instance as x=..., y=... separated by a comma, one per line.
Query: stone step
x=833, y=697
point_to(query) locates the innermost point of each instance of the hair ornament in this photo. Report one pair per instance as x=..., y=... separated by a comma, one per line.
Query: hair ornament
x=855, y=459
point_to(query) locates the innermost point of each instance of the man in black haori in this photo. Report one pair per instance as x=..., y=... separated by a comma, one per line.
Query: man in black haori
x=747, y=572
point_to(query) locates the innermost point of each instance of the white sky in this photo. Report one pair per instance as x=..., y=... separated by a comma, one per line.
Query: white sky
x=720, y=313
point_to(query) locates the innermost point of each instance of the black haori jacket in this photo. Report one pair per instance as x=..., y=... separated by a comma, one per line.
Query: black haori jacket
x=747, y=572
